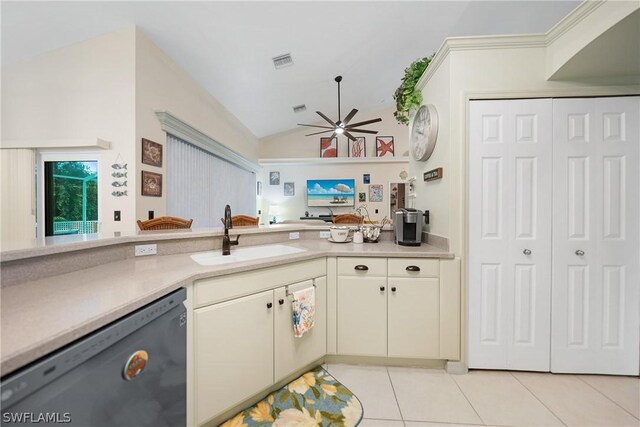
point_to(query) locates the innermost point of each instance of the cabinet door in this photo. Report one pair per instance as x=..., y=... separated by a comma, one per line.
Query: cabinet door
x=233, y=347
x=362, y=316
x=509, y=280
x=414, y=317
x=596, y=274
x=293, y=353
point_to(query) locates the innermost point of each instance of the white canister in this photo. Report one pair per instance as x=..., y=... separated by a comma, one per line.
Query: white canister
x=357, y=237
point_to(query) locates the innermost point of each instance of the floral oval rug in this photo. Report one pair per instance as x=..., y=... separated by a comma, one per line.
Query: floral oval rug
x=314, y=399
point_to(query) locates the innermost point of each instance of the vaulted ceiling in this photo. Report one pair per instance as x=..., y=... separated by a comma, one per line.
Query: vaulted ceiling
x=227, y=47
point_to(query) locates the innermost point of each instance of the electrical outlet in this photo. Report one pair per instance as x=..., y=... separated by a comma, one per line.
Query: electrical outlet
x=151, y=214
x=144, y=250
x=376, y=210
x=294, y=236
x=325, y=234
x=116, y=215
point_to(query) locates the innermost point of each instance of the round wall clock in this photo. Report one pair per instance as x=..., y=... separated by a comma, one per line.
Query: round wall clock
x=424, y=132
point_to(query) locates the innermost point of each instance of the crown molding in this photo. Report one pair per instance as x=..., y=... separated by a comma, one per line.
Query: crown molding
x=178, y=128
x=521, y=41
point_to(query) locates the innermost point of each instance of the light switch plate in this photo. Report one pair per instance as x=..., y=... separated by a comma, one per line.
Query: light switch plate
x=144, y=250
x=325, y=234
x=294, y=236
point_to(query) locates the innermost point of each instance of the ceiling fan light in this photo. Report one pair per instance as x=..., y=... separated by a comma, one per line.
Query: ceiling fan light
x=339, y=131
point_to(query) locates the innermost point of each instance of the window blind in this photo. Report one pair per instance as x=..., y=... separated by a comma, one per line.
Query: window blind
x=199, y=185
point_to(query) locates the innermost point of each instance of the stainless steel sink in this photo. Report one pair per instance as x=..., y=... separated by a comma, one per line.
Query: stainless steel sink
x=244, y=254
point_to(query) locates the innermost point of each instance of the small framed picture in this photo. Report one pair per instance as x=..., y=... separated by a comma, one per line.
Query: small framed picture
x=362, y=197
x=375, y=193
x=328, y=147
x=259, y=188
x=289, y=188
x=358, y=148
x=366, y=178
x=151, y=184
x=274, y=178
x=151, y=153
x=384, y=146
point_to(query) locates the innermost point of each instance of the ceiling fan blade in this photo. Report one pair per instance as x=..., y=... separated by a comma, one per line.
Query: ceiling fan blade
x=348, y=135
x=373, y=132
x=349, y=117
x=318, y=133
x=327, y=119
x=315, y=126
x=366, y=122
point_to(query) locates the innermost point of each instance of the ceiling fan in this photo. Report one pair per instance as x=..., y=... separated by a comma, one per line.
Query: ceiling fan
x=343, y=127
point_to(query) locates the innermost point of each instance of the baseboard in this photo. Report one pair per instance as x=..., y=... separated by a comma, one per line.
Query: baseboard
x=456, y=368
x=385, y=361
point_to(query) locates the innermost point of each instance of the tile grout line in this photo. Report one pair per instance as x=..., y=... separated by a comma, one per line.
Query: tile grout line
x=607, y=397
x=394, y=393
x=466, y=397
x=538, y=399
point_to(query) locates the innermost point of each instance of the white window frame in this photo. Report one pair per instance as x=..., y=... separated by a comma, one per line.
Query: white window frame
x=63, y=155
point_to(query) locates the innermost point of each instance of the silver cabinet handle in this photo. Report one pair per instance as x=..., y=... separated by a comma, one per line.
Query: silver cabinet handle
x=527, y=252
x=579, y=252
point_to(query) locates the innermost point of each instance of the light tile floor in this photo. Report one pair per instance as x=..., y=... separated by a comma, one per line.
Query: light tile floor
x=411, y=397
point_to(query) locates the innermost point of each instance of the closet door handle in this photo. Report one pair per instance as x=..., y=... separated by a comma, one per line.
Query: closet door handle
x=413, y=268
x=382, y=288
x=280, y=301
x=269, y=305
x=580, y=252
x=393, y=289
x=361, y=267
x=527, y=252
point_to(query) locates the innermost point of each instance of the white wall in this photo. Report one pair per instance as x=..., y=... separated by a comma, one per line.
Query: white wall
x=294, y=144
x=83, y=91
x=294, y=207
x=162, y=85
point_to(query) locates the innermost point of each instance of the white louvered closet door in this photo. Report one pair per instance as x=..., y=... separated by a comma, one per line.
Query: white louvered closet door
x=510, y=234
x=596, y=236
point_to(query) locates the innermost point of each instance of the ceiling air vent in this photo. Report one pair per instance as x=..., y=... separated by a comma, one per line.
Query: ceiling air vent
x=299, y=108
x=282, y=61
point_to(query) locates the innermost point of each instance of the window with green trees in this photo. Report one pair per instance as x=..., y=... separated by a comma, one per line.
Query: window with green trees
x=71, y=197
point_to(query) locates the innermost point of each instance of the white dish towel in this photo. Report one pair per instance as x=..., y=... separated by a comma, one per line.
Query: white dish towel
x=304, y=309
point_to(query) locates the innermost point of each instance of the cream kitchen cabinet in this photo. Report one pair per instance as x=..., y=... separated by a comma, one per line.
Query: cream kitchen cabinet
x=388, y=307
x=233, y=344
x=243, y=344
x=293, y=353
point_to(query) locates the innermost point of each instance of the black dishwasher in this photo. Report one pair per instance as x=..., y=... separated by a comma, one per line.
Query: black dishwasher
x=130, y=373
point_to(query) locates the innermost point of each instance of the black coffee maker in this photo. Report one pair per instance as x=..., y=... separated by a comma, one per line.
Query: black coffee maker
x=408, y=227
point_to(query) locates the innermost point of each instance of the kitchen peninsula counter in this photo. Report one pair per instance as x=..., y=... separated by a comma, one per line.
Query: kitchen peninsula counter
x=40, y=316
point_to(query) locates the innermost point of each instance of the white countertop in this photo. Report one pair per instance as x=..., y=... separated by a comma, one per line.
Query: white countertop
x=43, y=315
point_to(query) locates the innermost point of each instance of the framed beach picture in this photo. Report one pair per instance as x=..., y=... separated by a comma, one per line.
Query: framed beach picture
x=358, y=148
x=375, y=192
x=289, y=188
x=151, y=184
x=151, y=153
x=328, y=147
x=274, y=178
x=384, y=146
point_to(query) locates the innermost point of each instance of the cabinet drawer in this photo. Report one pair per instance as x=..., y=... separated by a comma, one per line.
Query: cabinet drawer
x=362, y=267
x=222, y=288
x=414, y=267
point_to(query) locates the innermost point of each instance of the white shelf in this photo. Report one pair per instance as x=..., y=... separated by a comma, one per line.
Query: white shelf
x=58, y=143
x=333, y=161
